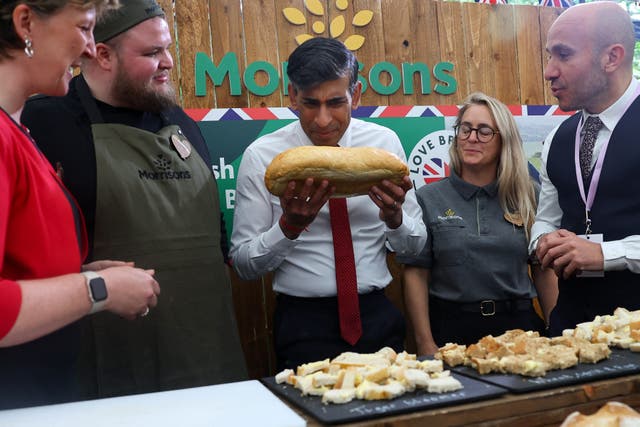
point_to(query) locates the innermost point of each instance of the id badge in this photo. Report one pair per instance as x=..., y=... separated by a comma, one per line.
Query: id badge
x=595, y=238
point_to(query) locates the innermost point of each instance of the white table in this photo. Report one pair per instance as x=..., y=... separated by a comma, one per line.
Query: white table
x=240, y=404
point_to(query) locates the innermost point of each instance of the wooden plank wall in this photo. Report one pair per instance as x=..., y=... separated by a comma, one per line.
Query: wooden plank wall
x=498, y=49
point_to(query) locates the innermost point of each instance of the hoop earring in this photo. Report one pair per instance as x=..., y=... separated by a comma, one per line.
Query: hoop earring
x=28, y=47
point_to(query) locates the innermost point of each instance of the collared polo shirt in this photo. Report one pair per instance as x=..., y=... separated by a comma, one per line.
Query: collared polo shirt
x=473, y=252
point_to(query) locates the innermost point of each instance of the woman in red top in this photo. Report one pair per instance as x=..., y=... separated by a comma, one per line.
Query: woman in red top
x=42, y=238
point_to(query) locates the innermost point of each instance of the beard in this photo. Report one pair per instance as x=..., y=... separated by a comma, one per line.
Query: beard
x=592, y=89
x=142, y=96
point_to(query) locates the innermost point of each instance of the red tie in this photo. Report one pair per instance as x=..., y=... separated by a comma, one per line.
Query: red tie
x=348, y=306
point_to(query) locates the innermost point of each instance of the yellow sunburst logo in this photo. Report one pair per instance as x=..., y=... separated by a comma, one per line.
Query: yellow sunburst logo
x=449, y=212
x=336, y=27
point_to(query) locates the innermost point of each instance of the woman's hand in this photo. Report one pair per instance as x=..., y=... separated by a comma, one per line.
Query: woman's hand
x=105, y=263
x=131, y=291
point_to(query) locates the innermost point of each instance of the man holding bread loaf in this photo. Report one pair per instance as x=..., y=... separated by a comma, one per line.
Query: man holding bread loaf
x=327, y=253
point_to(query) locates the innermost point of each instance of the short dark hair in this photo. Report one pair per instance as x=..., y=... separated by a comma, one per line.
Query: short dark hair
x=321, y=59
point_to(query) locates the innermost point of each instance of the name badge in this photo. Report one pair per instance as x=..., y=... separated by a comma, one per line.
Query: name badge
x=181, y=144
x=595, y=238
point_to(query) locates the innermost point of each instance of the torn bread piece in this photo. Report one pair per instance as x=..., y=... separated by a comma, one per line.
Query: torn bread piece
x=431, y=366
x=361, y=359
x=443, y=385
x=339, y=395
x=346, y=379
x=612, y=414
x=310, y=368
x=305, y=385
x=415, y=378
x=451, y=354
x=323, y=379
x=284, y=376
x=388, y=353
x=377, y=374
x=373, y=391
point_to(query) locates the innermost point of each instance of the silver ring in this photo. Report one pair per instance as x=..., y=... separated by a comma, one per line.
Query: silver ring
x=307, y=199
x=395, y=205
x=146, y=311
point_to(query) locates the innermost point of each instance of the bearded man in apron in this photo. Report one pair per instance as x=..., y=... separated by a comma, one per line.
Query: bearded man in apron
x=140, y=170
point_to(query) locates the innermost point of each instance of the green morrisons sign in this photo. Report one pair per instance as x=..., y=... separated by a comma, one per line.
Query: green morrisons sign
x=439, y=78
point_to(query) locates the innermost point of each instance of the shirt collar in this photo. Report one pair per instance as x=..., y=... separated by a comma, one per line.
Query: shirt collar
x=612, y=115
x=467, y=190
x=345, y=141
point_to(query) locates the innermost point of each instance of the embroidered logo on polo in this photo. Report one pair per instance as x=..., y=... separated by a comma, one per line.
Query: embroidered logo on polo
x=449, y=215
x=163, y=171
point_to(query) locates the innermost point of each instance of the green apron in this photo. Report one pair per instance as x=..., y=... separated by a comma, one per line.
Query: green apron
x=161, y=211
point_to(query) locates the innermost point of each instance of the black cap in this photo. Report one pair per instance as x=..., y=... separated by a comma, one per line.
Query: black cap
x=128, y=15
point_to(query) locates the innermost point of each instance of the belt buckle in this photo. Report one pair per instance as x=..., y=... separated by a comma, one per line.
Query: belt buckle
x=488, y=307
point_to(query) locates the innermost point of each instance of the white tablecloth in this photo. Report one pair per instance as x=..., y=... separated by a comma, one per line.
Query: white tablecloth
x=240, y=404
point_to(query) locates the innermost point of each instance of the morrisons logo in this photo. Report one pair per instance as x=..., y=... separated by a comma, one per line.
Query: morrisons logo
x=163, y=171
x=337, y=26
x=319, y=18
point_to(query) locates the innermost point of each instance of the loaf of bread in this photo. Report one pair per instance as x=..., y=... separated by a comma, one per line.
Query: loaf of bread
x=353, y=171
x=612, y=414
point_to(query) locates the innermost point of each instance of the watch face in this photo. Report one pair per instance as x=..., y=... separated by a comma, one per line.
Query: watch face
x=98, y=289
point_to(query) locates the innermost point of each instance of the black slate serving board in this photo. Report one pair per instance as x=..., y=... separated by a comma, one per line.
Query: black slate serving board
x=621, y=362
x=355, y=410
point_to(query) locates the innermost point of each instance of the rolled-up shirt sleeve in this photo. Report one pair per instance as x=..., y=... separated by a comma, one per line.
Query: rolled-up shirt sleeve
x=622, y=254
x=258, y=245
x=549, y=214
x=411, y=236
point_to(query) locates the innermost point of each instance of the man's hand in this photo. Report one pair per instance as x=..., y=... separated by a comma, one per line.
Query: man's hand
x=568, y=253
x=300, y=206
x=389, y=197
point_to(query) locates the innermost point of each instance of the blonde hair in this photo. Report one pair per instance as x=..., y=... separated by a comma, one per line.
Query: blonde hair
x=516, y=192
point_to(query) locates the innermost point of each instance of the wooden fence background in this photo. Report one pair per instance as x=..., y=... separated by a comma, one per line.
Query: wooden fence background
x=498, y=49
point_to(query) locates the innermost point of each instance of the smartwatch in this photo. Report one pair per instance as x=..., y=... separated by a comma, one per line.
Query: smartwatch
x=97, y=290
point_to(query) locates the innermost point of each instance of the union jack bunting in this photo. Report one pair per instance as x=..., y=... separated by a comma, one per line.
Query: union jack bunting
x=492, y=1
x=556, y=3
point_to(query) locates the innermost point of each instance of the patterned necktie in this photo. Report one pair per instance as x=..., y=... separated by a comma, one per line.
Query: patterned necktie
x=348, y=305
x=591, y=128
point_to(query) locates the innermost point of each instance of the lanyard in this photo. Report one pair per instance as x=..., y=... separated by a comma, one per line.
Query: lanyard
x=597, y=169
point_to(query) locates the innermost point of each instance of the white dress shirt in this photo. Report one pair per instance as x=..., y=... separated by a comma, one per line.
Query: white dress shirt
x=618, y=254
x=305, y=267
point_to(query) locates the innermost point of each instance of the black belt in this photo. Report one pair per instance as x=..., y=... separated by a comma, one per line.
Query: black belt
x=487, y=307
x=306, y=300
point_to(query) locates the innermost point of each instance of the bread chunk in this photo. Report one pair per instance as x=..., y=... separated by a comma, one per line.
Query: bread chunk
x=612, y=414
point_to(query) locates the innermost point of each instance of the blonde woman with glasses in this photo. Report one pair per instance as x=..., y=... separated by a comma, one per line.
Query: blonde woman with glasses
x=472, y=278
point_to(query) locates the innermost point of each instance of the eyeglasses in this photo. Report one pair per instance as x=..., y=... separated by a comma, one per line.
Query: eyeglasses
x=484, y=133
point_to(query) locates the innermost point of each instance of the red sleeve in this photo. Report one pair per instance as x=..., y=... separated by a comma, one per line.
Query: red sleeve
x=10, y=292
x=10, y=301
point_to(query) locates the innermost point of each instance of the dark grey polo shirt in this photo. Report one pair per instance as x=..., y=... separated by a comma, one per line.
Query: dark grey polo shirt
x=472, y=251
